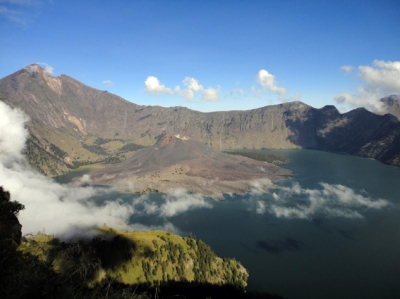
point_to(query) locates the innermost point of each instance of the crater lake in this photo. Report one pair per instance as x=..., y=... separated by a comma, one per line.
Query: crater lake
x=331, y=231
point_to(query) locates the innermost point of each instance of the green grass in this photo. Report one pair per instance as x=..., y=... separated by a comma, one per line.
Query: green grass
x=137, y=258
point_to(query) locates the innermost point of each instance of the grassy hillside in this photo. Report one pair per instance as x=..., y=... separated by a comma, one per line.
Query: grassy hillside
x=113, y=264
x=152, y=257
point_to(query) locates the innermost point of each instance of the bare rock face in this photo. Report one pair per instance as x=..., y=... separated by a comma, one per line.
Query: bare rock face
x=181, y=162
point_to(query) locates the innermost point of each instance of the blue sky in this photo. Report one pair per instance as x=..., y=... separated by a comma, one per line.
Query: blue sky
x=212, y=55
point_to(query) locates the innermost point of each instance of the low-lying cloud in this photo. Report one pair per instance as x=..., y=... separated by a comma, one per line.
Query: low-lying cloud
x=70, y=210
x=379, y=80
x=260, y=186
x=175, y=202
x=329, y=201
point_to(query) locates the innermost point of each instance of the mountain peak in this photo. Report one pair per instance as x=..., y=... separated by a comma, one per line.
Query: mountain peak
x=35, y=69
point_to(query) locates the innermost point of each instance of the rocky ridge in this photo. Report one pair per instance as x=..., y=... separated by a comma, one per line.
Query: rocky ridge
x=73, y=124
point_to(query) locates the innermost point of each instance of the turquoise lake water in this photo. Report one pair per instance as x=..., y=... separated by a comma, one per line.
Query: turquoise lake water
x=339, y=239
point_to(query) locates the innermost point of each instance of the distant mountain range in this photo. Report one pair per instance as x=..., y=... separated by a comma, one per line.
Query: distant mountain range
x=73, y=124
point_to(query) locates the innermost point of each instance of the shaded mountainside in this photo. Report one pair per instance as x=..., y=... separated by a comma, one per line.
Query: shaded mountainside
x=74, y=124
x=181, y=162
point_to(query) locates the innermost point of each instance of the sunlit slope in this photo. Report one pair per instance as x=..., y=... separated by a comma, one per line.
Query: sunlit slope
x=138, y=257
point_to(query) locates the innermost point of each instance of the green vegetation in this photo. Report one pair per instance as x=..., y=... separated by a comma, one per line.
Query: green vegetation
x=58, y=152
x=160, y=137
x=113, y=264
x=270, y=158
x=129, y=147
x=97, y=149
x=153, y=257
x=42, y=161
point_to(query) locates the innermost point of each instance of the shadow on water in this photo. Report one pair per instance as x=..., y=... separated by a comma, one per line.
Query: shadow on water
x=277, y=247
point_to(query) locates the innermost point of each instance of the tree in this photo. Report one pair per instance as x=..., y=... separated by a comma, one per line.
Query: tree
x=10, y=228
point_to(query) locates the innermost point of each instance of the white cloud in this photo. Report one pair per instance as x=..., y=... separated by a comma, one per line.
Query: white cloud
x=192, y=85
x=60, y=209
x=85, y=179
x=12, y=135
x=261, y=207
x=346, y=68
x=107, y=82
x=47, y=68
x=211, y=94
x=36, y=67
x=70, y=211
x=153, y=86
x=175, y=202
x=260, y=186
x=379, y=80
x=257, y=92
x=187, y=94
x=235, y=92
x=179, y=201
x=329, y=201
x=267, y=81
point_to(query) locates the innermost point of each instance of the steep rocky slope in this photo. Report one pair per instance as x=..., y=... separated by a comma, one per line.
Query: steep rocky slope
x=73, y=124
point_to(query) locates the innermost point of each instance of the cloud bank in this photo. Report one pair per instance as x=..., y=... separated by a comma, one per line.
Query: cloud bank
x=70, y=210
x=329, y=201
x=379, y=80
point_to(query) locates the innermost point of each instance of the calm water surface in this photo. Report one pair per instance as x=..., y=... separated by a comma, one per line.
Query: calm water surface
x=320, y=256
